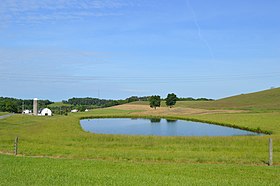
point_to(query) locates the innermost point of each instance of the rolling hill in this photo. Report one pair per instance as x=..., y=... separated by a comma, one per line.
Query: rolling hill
x=263, y=100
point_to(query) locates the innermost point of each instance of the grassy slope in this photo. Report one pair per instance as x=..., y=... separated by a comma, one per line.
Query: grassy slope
x=264, y=100
x=59, y=104
x=3, y=113
x=141, y=159
x=44, y=171
x=62, y=136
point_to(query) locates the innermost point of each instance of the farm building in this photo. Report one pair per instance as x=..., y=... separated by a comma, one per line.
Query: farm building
x=45, y=112
x=75, y=110
x=26, y=112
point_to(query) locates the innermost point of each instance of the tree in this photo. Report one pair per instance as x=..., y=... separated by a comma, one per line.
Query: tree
x=171, y=100
x=11, y=106
x=154, y=101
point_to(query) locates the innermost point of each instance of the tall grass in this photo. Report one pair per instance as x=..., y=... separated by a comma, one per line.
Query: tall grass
x=45, y=171
x=62, y=136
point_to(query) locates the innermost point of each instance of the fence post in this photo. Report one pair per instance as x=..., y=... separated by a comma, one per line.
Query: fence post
x=270, y=162
x=16, y=146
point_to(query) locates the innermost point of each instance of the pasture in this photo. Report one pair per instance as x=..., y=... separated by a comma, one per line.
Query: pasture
x=57, y=150
x=3, y=113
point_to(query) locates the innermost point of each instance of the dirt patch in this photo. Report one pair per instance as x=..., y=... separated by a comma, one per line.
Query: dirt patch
x=146, y=110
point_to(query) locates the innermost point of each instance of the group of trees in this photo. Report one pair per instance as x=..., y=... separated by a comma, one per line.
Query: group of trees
x=170, y=100
x=193, y=99
x=18, y=105
x=90, y=103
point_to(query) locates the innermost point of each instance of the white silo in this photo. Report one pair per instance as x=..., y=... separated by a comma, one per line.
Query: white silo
x=35, y=106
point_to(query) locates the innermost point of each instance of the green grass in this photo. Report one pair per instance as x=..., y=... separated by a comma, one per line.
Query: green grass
x=86, y=158
x=62, y=136
x=45, y=171
x=3, y=113
x=258, y=101
x=264, y=100
x=59, y=104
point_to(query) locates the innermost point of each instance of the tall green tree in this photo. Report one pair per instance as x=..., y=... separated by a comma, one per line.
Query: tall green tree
x=154, y=101
x=11, y=106
x=171, y=100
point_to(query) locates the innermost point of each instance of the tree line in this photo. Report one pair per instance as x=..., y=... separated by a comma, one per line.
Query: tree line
x=18, y=105
x=96, y=102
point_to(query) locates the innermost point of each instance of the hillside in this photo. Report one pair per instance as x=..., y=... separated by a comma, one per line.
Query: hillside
x=263, y=100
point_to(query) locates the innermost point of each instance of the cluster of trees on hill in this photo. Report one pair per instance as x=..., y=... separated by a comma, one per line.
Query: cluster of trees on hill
x=93, y=102
x=18, y=105
x=99, y=103
x=193, y=99
x=171, y=100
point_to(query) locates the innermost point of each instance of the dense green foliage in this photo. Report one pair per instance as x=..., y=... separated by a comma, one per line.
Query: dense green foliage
x=171, y=100
x=193, y=99
x=154, y=101
x=93, y=103
x=18, y=105
x=45, y=171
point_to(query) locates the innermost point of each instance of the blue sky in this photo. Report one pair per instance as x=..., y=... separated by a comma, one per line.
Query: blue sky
x=58, y=49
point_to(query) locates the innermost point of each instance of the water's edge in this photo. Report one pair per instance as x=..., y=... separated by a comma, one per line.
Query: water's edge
x=256, y=130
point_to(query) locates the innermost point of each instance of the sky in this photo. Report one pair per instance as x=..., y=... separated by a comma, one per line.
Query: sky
x=113, y=49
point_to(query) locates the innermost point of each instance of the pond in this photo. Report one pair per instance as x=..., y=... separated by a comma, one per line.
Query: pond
x=159, y=127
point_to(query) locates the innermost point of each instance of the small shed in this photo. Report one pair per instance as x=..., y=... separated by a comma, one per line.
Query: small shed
x=45, y=112
x=75, y=110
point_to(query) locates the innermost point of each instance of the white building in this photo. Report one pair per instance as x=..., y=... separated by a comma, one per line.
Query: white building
x=86, y=110
x=45, y=112
x=75, y=110
x=26, y=112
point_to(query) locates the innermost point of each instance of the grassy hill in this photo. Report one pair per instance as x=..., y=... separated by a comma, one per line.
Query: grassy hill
x=264, y=100
x=59, y=104
x=56, y=151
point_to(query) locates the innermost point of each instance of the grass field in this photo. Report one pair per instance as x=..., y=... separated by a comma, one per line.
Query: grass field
x=260, y=101
x=56, y=150
x=59, y=104
x=45, y=171
x=3, y=113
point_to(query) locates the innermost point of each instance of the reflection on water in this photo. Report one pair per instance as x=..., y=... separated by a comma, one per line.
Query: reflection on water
x=171, y=120
x=155, y=120
x=158, y=127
